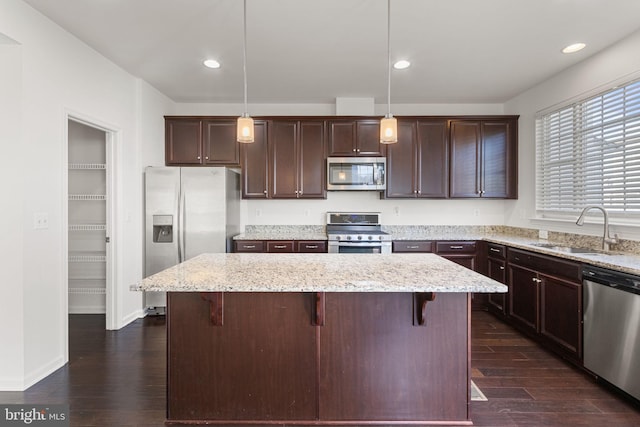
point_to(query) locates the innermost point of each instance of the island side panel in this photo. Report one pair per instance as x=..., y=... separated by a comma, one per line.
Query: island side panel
x=375, y=364
x=259, y=365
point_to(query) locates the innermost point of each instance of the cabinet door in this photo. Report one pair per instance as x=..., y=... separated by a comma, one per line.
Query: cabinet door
x=374, y=354
x=432, y=158
x=310, y=246
x=561, y=314
x=496, y=269
x=260, y=364
x=465, y=152
x=183, y=141
x=468, y=261
x=219, y=142
x=312, y=160
x=368, y=138
x=498, y=157
x=254, y=163
x=402, y=166
x=342, y=138
x=283, y=156
x=523, y=297
x=281, y=246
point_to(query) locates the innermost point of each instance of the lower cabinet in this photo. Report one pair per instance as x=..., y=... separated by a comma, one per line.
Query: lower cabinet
x=545, y=300
x=460, y=252
x=496, y=268
x=281, y=246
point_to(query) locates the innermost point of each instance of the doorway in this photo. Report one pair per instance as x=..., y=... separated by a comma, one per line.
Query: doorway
x=90, y=253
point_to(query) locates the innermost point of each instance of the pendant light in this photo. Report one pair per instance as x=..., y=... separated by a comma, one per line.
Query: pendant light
x=388, y=125
x=245, y=122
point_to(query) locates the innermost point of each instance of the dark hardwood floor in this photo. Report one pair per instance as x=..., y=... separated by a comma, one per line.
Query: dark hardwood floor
x=117, y=378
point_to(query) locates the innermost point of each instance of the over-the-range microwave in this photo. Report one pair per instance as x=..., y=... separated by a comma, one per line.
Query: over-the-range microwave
x=356, y=173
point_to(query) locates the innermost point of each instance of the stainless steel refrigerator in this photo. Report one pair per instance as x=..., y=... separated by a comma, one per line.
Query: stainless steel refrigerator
x=188, y=211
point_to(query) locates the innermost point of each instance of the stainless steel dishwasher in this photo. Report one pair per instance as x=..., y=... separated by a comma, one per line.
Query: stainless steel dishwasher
x=611, y=314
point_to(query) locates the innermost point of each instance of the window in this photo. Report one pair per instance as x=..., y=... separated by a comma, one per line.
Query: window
x=588, y=153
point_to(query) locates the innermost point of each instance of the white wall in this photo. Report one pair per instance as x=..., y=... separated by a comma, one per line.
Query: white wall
x=395, y=212
x=52, y=75
x=599, y=72
x=11, y=217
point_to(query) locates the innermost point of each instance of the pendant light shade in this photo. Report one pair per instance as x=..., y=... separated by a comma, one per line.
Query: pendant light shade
x=244, y=132
x=388, y=125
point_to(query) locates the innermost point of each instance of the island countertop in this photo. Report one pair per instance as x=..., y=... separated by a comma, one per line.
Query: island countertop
x=257, y=272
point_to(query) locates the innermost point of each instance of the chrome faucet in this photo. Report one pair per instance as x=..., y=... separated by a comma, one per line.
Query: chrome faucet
x=606, y=237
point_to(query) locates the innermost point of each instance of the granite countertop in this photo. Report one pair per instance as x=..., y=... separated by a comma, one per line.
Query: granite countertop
x=621, y=261
x=257, y=272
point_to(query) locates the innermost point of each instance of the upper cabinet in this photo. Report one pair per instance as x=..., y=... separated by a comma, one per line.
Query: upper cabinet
x=254, y=162
x=417, y=166
x=484, y=158
x=297, y=159
x=196, y=141
x=355, y=137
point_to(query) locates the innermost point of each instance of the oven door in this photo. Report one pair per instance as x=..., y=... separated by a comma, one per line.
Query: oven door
x=340, y=247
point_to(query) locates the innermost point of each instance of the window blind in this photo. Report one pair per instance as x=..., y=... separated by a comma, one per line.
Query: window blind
x=588, y=153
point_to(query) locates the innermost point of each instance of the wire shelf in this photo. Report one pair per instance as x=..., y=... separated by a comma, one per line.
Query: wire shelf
x=87, y=227
x=87, y=166
x=88, y=291
x=88, y=257
x=88, y=197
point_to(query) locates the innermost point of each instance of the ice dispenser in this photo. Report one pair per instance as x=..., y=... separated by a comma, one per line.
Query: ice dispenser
x=163, y=228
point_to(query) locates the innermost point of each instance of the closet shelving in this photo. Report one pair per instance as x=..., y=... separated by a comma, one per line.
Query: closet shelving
x=87, y=255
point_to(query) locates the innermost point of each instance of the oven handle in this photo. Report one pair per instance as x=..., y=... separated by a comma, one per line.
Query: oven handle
x=357, y=244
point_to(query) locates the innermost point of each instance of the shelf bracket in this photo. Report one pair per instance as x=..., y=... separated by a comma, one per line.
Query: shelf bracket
x=318, y=317
x=420, y=300
x=216, y=313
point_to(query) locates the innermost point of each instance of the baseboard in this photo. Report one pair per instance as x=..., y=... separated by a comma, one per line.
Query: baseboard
x=138, y=314
x=86, y=309
x=33, y=377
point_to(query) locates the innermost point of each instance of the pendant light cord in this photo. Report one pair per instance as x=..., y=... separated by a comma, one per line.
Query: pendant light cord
x=244, y=55
x=388, y=58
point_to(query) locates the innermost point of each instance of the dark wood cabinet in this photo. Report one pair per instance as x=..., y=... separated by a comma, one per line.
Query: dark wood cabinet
x=192, y=141
x=254, y=161
x=412, y=246
x=460, y=252
x=354, y=137
x=281, y=246
x=417, y=166
x=545, y=300
x=183, y=141
x=297, y=159
x=496, y=266
x=483, y=158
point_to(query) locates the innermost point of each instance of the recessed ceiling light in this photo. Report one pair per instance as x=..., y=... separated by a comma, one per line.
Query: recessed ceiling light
x=402, y=64
x=211, y=63
x=574, y=48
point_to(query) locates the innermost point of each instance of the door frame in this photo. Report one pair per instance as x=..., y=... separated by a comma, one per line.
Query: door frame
x=112, y=142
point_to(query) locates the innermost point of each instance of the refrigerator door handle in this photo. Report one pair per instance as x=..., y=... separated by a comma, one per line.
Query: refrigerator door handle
x=183, y=226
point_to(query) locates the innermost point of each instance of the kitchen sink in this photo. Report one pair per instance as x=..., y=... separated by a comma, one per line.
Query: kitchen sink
x=566, y=249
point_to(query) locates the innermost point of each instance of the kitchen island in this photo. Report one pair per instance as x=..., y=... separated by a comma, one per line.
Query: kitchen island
x=318, y=339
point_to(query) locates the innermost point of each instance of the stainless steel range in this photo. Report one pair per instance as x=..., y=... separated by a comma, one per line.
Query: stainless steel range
x=357, y=232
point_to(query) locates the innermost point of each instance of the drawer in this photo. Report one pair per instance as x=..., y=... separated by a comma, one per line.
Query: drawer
x=310, y=246
x=413, y=246
x=280, y=246
x=249, y=246
x=548, y=265
x=454, y=247
x=495, y=250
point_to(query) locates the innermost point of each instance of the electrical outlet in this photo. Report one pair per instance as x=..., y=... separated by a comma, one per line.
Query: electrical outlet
x=543, y=234
x=40, y=221
x=396, y=210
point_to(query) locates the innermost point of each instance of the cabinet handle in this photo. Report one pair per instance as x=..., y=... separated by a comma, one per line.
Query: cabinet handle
x=354, y=150
x=456, y=247
x=206, y=158
x=248, y=246
x=536, y=280
x=413, y=247
x=311, y=246
x=501, y=268
x=198, y=157
x=494, y=250
x=265, y=191
x=279, y=246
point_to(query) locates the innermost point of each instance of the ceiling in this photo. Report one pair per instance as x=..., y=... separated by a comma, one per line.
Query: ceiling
x=312, y=51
